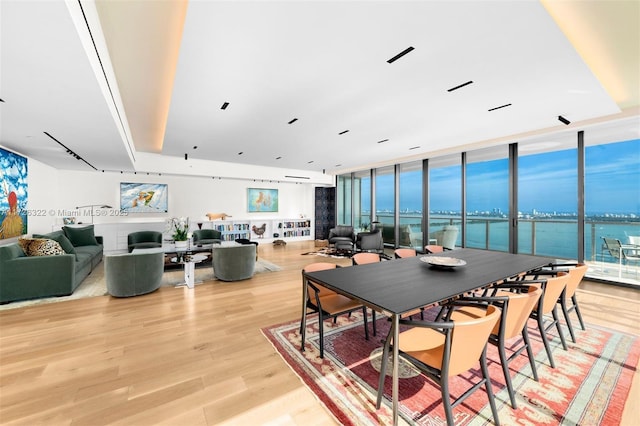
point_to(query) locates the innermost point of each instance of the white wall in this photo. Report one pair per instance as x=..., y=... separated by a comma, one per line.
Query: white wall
x=54, y=194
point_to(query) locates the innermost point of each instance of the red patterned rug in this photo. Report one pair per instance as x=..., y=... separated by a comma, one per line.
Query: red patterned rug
x=589, y=385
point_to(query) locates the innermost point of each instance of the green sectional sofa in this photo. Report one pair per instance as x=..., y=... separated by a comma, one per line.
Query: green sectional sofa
x=30, y=277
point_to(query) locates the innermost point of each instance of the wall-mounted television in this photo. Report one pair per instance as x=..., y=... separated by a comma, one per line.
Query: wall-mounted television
x=144, y=197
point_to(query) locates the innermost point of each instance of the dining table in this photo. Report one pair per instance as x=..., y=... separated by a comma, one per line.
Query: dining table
x=399, y=286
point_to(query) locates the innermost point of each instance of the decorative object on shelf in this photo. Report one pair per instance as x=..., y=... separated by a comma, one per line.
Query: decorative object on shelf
x=100, y=206
x=179, y=226
x=262, y=200
x=259, y=230
x=214, y=216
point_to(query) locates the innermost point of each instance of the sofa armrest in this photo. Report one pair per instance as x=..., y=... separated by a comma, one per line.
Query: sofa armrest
x=37, y=276
x=100, y=239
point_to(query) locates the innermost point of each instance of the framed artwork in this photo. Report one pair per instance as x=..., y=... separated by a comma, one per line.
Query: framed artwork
x=13, y=194
x=262, y=200
x=144, y=197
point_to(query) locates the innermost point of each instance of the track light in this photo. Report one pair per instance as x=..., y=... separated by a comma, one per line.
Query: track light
x=563, y=120
x=186, y=156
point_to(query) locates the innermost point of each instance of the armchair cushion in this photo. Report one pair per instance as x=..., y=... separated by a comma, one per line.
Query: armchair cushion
x=80, y=236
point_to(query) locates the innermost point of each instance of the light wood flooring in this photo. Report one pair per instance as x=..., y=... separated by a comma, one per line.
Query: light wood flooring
x=191, y=357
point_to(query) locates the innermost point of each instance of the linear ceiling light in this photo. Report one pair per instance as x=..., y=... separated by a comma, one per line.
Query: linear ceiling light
x=460, y=86
x=224, y=105
x=298, y=177
x=343, y=132
x=383, y=141
x=1, y=100
x=400, y=55
x=414, y=147
x=293, y=121
x=498, y=107
x=563, y=120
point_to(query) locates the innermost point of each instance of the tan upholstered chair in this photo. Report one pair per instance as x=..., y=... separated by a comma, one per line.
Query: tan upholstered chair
x=404, y=252
x=328, y=304
x=444, y=349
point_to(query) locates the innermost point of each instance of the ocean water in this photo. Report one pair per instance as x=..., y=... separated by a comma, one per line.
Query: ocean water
x=553, y=238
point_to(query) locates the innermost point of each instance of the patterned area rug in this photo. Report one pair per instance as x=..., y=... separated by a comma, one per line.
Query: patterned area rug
x=94, y=285
x=589, y=385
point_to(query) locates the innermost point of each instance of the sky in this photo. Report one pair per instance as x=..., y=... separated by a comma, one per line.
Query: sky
x=547, y=182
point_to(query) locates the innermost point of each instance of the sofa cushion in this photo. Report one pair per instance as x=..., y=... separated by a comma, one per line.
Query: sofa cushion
x=64, y=242
x=40, y=246
x=81, y=236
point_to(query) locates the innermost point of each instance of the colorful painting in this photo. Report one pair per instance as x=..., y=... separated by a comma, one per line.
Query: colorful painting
x=13, y=194
x=144, y=197
x=262, y=200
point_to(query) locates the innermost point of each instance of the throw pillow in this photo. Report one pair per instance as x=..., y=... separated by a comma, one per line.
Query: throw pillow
x=80, y=236
x=40, y=247
x=62, y=240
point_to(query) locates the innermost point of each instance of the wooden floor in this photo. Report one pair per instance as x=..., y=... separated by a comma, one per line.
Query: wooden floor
x=190, y=357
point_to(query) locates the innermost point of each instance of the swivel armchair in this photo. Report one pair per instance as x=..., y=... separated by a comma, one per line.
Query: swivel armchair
x=206, y=236
x=144, y=239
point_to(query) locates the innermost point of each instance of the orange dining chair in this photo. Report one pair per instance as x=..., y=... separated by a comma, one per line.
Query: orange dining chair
x=443, y=349
x=328, y=304
x=404, y=252
x=516, y=303
x=363, y=258
x=431, y=248
x=576, y=273
x=552, y=289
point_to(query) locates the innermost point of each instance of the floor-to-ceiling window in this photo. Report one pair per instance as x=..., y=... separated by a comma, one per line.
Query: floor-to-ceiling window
x=343, y=200
x=362, y=199
x=385, y=202
x=612, y=199
x=410, y=194
x=487, y=192
x=445, y=200
x=548, y=196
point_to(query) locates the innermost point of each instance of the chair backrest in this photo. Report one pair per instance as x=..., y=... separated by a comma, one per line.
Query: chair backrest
x=319, y=266
x=144, y=236
x=552, y=291
x=342, y=231
x=634, y=240
x=432, y=248
x=575, y=277
x=449, y=236
x=404, y=252
x=206, y=234
x=363, y=258
x=613, y=246
x=468, y=340
x=518, y=310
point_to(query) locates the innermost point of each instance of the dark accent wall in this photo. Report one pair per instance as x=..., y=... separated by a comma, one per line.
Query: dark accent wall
x=325, y=211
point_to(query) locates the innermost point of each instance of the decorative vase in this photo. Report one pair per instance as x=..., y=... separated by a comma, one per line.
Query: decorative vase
x=181, y=245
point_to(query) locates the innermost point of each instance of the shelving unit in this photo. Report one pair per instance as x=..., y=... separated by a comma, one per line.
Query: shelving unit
x=287, y=229
x=232, y=230
x=293, y=228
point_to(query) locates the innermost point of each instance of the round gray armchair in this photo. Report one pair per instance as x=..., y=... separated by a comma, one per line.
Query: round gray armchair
x=234, y=262
x=133, y=274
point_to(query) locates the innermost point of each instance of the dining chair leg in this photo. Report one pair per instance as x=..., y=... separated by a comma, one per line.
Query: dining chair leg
x=577, y=309
x=373, y=319
x=565, y=312
x=505, y=369
x=366, y=326
x=321, y=333
x=487, y=383
x=554, y=312
x=543, y=336
x=446, y=399
x=532, y=361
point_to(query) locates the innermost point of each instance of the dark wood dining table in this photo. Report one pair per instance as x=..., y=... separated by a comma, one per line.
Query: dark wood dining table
x=399, y=286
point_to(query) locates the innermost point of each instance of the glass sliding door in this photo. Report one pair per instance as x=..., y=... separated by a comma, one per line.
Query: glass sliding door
x=548, y=196
x=410, y=195
x=445, y=201
x=343, y=200
x=612, y=200
x=362, y=200
x=487, y=192
x=385, y=203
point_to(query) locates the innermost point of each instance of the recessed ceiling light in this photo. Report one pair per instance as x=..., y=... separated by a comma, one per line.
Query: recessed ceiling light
x=383, y=141
x=400, y=55
x=337, y=165
x=498, y=107
x=1, y=100
x=240, y=153
x=278, y=158
x=293, y=121
x=563, y=120
x=414, y=147
x=343, y=132
x=309, y=162
x=460, y=86
x=195, y=147
x=224, y=105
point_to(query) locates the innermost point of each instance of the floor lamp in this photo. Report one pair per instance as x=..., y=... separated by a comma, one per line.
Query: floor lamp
x=100, y=206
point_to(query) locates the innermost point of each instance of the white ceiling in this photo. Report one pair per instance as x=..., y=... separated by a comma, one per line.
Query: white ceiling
x=167, y=67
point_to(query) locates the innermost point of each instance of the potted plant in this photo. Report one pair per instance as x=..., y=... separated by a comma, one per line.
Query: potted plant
x=180, y=230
